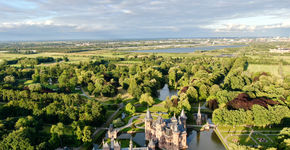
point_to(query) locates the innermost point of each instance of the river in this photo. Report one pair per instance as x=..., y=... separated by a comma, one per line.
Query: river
x=187, y=50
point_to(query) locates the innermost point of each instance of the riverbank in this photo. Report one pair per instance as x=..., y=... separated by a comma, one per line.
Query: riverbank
x=221, y=138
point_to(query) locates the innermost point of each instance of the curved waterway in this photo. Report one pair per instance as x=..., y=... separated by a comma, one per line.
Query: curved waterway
x=187, y=50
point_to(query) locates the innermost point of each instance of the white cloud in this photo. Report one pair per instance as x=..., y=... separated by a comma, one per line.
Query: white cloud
x=126, y=11
x=49, y=23
x=144, y=18
x=235, y=28
x=167, y=28
x=285, y=24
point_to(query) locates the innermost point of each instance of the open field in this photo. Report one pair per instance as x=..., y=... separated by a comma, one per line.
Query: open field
x=273, y=69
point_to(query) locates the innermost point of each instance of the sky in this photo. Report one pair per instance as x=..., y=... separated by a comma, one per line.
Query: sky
x=142, y=19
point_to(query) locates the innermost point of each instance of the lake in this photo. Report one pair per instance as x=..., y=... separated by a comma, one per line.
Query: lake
x=187, y=50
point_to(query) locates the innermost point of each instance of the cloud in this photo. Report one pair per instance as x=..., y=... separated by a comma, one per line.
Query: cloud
x=235, y=28
x=6, y=26
x=143, y=18
x=285, y=24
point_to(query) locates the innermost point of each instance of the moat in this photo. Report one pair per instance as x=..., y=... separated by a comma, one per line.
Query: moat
x=195, y=139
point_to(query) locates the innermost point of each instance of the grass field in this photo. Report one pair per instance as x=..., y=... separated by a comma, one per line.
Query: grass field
x=273, y=69
x=249, y=136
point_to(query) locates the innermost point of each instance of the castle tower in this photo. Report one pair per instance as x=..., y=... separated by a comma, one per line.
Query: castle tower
x=198, y=119
x=117, y=146
x=131, y=144
x=183, y=141
x=151, y=145
x=183, y=118
x=175, y=139
x=106, y=146
x=173, y=119
x=112, y=143
x=112, y=133
x=148, y=123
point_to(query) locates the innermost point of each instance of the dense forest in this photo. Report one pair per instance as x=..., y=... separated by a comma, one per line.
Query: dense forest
x=34, y=96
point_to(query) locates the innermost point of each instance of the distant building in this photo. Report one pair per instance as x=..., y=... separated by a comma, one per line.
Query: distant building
x=169, y=134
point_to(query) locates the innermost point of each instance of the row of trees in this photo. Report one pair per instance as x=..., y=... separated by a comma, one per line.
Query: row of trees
x=257, y=116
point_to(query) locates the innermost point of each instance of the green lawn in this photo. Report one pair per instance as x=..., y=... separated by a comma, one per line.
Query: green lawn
x=240, y=135
x=241, y=139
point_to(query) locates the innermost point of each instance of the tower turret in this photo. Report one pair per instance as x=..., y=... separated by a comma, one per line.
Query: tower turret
x=198, y=116
x=148, y=115
x=131, y=144
x=148, y=124
x=183, y=118
x=151, y=145
x=175, y=140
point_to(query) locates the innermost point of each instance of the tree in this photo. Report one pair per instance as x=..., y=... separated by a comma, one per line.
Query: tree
x=184, y=103
x=260, y=114
x=79, y=133
x=130, y=108
x=118, y=122
x=134, y=89
x=36, y=87
x=192, y=94
x=36, y=76
x=58, y=130
x=9, y=79
x=146, y=98
x=87, y=134
x=284, y=138
x=67, y=82
x=91, y=87
x=214, y=89
x=203, y=92
x=16, y=140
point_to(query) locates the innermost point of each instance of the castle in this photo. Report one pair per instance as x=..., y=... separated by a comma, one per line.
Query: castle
x=169, y=134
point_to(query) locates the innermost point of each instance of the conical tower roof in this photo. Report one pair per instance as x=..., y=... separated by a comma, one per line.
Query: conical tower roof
x=116, y=144
x=151, y=143
x=198, y=113
x=173, y=119
x=106, y=145
x=148, y=114
x=182, y=115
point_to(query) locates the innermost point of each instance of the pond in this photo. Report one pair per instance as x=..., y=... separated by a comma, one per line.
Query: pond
x=206, y=140
x=165, y=91
x=187, y=50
